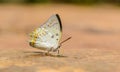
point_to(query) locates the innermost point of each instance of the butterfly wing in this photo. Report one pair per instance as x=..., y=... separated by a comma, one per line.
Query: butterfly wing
x=54, y=26
x=49, y=33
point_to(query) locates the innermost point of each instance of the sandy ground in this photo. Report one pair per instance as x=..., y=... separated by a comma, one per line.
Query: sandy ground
x=94, y=47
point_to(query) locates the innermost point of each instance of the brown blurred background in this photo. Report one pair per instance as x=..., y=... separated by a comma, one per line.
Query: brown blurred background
x=93, y=24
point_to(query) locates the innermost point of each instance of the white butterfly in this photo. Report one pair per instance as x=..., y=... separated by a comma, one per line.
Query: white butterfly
x=47, y=36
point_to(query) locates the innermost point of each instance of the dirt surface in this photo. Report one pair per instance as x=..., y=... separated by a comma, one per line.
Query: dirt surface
x=94, y=47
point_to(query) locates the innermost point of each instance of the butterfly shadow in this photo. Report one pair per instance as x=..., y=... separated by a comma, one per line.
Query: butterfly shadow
x=42, y=54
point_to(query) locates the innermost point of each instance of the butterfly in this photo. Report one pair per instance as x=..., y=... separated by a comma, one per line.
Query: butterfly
x=47, y=36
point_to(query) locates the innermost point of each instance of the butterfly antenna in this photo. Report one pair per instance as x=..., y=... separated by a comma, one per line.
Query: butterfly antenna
x=65, y=40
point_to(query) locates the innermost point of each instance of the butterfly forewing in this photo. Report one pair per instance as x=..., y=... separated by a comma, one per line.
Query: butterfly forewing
x=50, y=32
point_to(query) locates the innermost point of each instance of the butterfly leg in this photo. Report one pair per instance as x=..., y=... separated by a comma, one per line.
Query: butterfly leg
x=47, y=53
x=58, y=52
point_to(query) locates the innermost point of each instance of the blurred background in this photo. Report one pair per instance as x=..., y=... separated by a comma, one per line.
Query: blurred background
x=62, y=1
x=80, y=18
x=93, y=24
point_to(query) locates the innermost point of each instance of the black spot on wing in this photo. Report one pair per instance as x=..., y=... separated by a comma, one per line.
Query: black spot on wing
x=56, y=34
x=48, y=25
x=52, y=36
x=58, y=17
x=57, y=39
